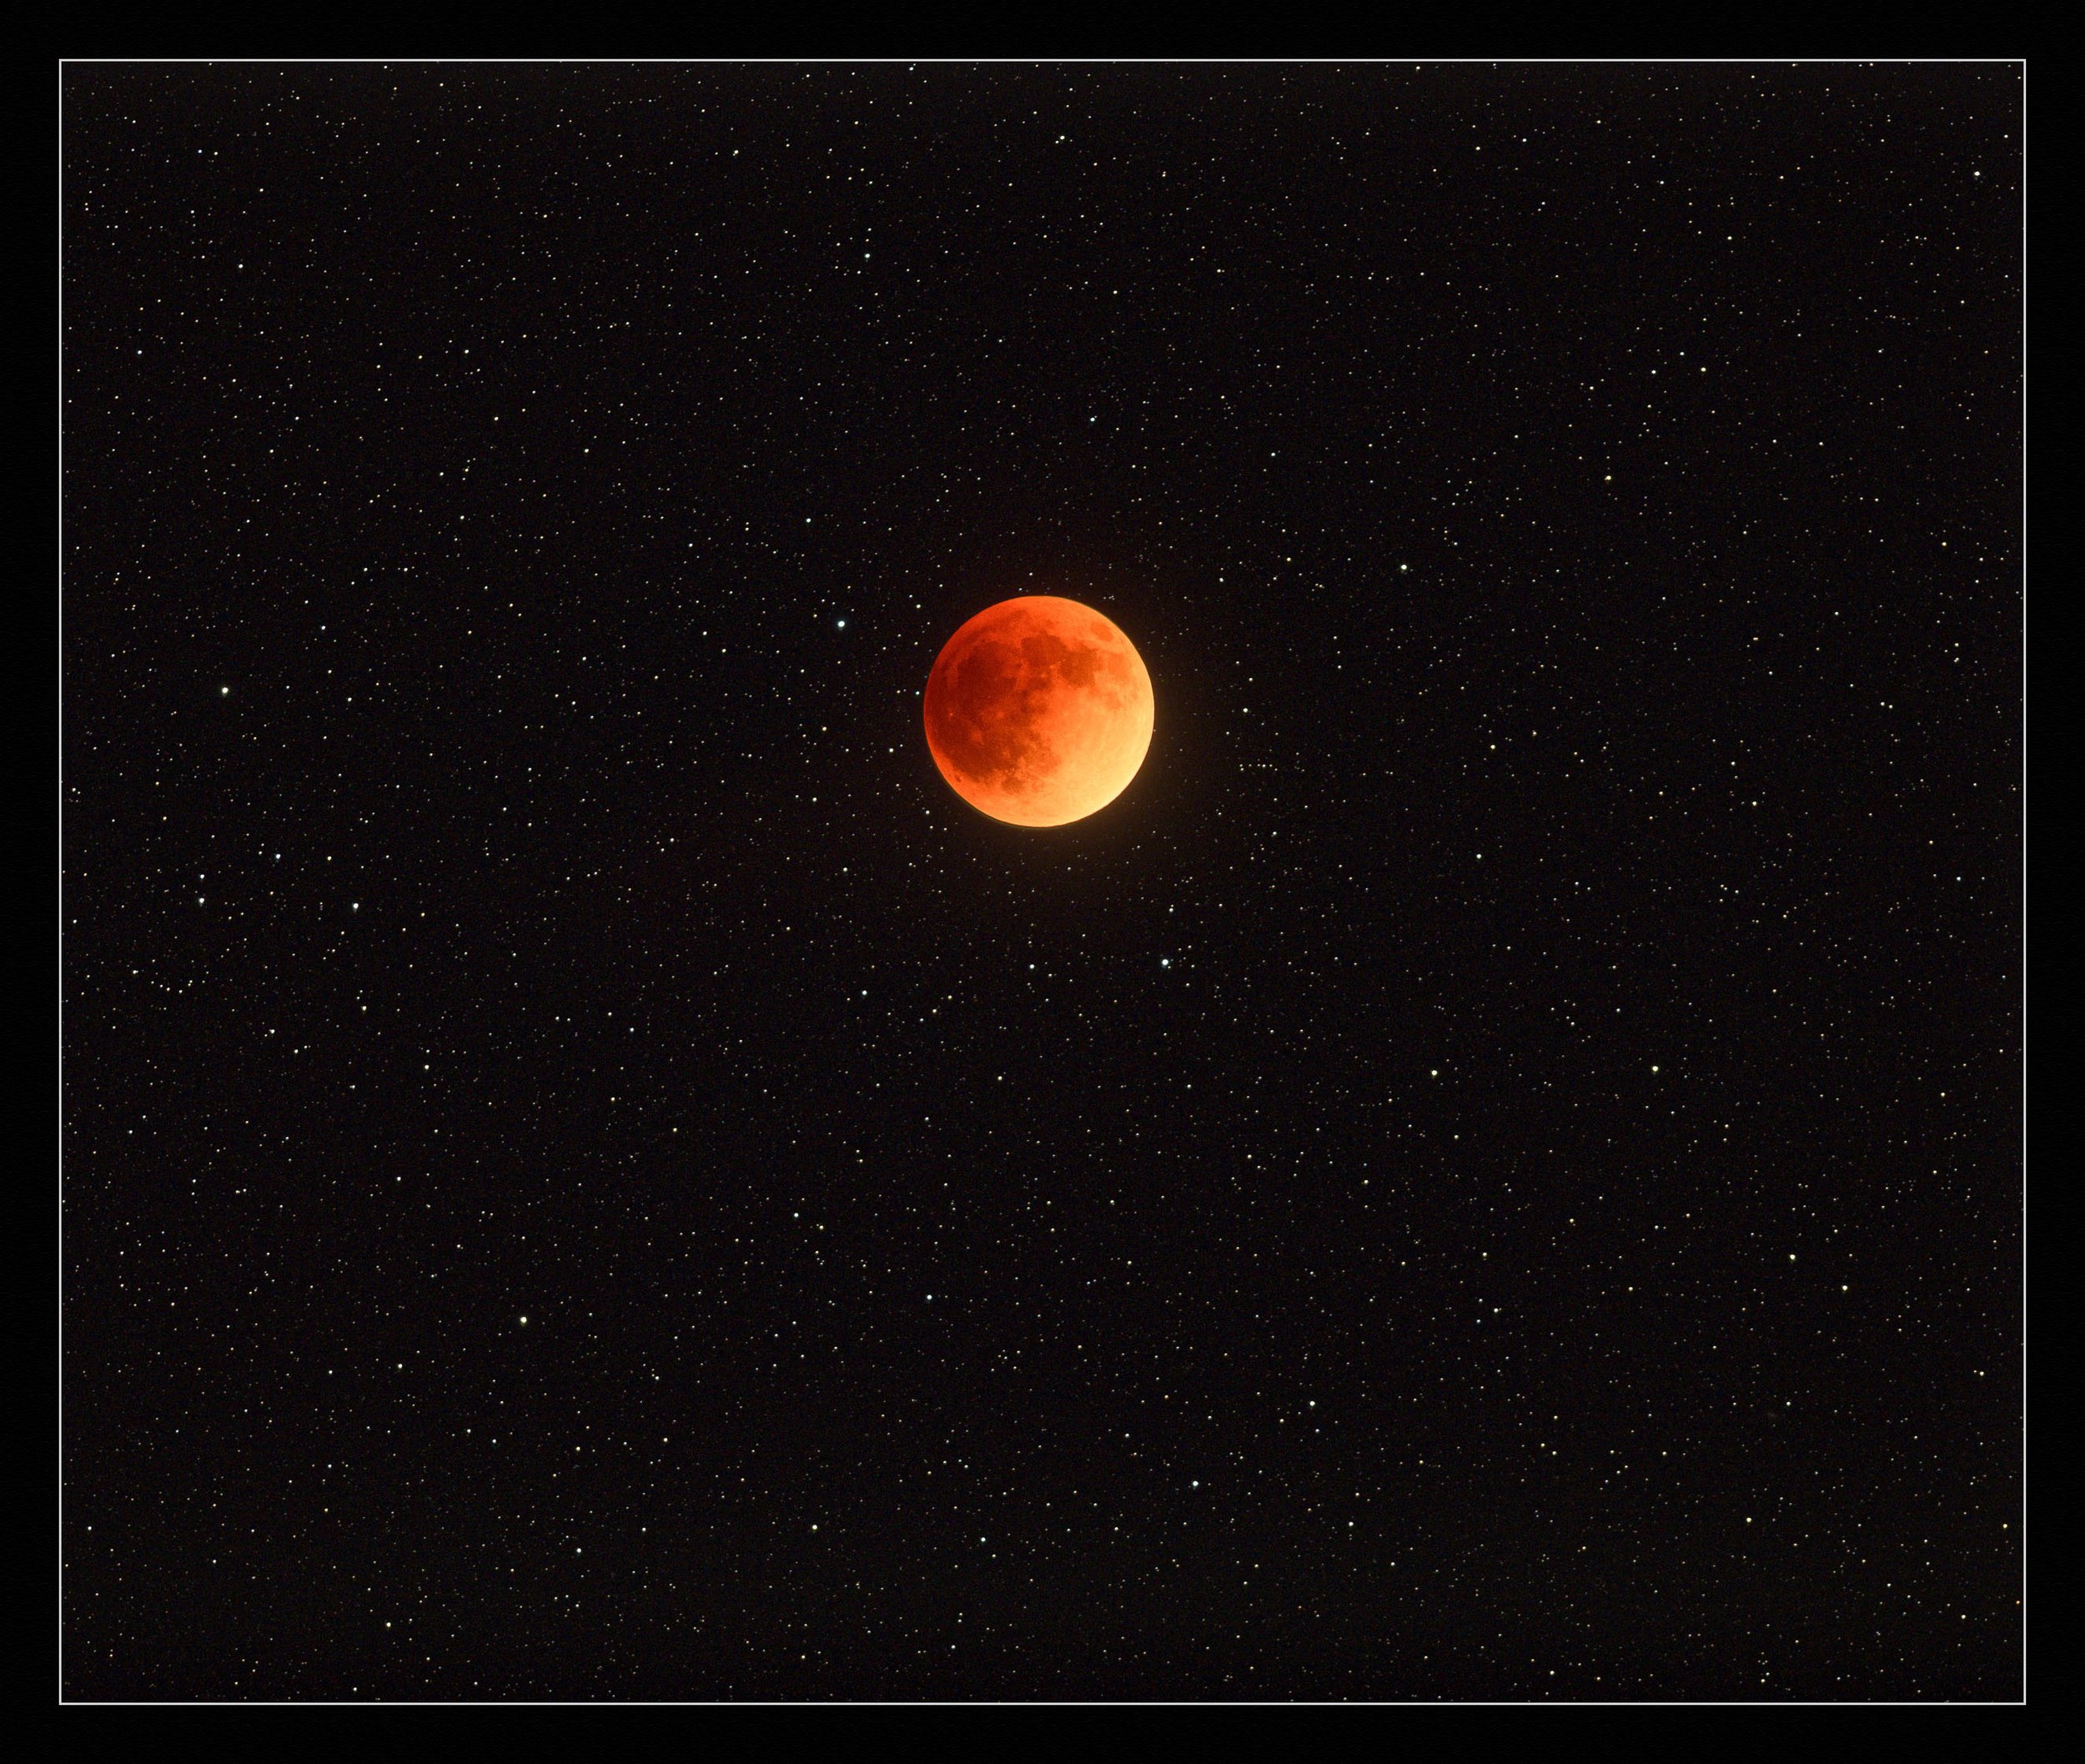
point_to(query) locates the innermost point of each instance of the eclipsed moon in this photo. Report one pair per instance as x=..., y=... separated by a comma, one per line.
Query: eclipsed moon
x=1038, y=710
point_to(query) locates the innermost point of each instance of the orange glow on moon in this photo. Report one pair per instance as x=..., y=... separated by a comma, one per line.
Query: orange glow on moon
x=1038, y=710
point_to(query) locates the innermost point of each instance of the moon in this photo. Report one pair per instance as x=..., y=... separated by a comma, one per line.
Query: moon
x=1038, y=710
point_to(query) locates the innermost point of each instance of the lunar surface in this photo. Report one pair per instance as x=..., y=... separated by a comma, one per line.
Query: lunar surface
x=1038, y=710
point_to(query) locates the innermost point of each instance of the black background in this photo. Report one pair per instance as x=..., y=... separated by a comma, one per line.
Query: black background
x=1492, y=1170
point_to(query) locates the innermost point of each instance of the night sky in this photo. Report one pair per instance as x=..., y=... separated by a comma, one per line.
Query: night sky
x=1492, y=1170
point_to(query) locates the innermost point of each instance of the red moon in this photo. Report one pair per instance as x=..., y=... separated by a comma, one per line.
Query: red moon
x=1038, y=710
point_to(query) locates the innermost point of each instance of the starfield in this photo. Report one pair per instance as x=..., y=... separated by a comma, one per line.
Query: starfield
x=1483, y=1162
